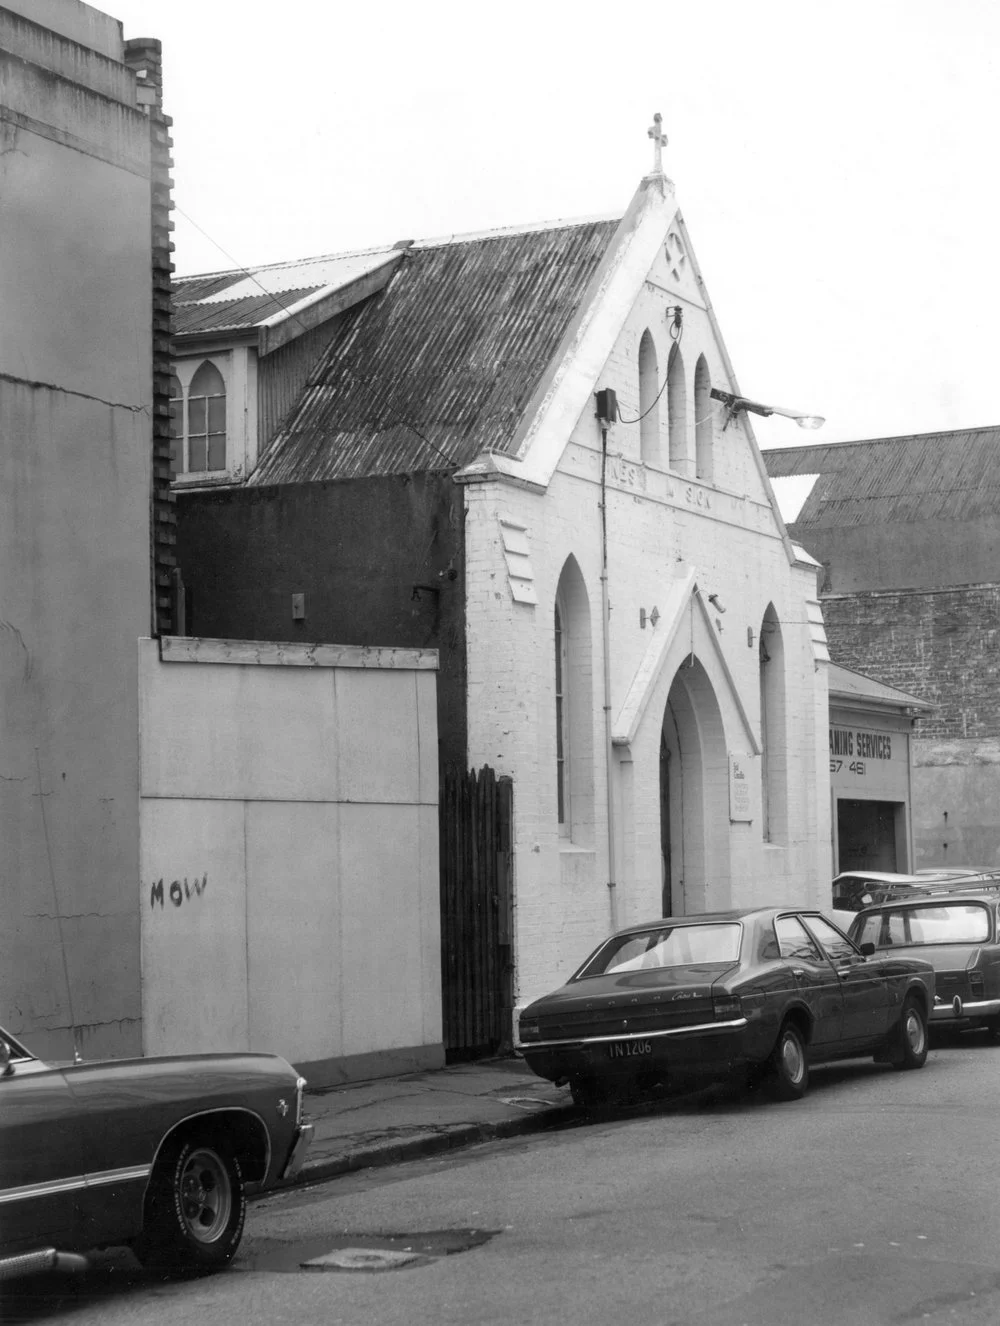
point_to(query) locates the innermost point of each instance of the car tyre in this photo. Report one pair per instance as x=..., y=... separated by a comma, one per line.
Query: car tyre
x=195, y=1208
x=789, y=1066
x=909, y=1042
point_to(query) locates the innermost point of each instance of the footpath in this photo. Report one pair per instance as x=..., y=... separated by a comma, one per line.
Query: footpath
x=391, y=1119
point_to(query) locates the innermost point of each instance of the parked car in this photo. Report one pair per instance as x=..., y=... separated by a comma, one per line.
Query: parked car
x=958, y=932
x=696, y=998
x=155, y=1153
x=854, y=889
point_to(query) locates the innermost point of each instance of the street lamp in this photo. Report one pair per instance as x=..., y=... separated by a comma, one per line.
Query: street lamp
x=734, y=404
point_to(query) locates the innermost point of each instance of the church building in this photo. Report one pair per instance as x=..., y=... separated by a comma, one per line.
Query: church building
x=528, y=450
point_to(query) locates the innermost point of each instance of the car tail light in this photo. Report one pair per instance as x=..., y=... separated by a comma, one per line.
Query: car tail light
x=300, y=1086
x=727, y=1006
x=977, y=984
x=529, y=1029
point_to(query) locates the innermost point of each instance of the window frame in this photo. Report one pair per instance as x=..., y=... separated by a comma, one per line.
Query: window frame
x=180, y=443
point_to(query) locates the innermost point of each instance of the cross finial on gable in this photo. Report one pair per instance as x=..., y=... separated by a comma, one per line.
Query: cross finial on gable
x=655, y=131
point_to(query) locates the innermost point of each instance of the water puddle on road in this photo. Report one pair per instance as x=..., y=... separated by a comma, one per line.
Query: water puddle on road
x=365, y=1253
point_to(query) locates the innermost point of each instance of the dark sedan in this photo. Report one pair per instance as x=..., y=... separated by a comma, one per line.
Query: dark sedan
x=693, y=998
x=153, y=1152
x=957, y=930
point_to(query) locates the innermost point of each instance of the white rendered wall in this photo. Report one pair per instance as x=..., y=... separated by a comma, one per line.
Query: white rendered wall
x=290, y=812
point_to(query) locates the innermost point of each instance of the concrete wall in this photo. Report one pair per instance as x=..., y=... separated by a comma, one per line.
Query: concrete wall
x=665, y=527
x=289, y=861
x=379, y=562
x=75, y=394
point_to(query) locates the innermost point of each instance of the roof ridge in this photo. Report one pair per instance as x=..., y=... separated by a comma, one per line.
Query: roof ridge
x=525, y=228
x=439, y=241
x=892, y=437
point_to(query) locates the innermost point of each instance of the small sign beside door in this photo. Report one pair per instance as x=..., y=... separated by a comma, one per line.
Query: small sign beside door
x=739, y=788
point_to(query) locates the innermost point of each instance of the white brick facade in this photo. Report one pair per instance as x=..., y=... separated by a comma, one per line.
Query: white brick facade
x=673, y=540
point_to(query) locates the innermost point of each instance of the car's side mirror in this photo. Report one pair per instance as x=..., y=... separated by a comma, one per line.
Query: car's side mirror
x=868, y=949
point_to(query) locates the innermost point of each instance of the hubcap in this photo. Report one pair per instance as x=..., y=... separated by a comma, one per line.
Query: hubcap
x=206, y=1199
x=915, y=1031
x=791, y=1057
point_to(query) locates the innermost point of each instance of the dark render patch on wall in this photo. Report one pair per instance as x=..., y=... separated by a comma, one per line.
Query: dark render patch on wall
x=927, y=555
x=379, y=561
x=940, y=646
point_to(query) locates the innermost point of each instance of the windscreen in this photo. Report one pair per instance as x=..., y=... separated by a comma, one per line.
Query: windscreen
x=667, y=946
x=930, y=923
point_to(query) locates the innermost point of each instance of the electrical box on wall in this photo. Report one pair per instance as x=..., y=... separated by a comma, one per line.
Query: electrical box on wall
x=298, y=607
x=607, y=405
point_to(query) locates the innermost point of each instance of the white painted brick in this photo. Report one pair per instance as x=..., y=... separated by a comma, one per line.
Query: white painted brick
x=727, y=534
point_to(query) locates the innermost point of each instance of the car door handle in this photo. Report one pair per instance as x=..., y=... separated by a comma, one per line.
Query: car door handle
x=798, y=971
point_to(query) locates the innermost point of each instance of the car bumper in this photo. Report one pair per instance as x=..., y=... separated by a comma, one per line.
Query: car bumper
x=297, y=1155
x=699, y=1050
x=961, y=1010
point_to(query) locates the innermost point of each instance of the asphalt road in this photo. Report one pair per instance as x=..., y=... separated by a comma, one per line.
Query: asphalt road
x=873, y=1200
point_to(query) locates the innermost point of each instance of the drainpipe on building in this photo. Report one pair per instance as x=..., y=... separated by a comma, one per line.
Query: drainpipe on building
x=606, y=634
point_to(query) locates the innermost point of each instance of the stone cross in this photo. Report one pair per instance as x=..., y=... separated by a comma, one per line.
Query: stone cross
x=659, y=142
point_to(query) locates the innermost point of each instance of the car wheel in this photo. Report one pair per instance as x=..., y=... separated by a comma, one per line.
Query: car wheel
x=993, y=1029
x=909, y=1047
x=789, y=1065
x=195, y=1208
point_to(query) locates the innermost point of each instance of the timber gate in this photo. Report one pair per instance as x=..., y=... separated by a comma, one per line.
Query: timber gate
x=477, y=967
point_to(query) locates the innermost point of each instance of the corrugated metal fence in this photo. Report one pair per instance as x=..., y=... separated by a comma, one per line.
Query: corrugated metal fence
x=476, y=819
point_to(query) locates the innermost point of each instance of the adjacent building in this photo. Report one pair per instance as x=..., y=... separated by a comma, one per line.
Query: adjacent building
x=907, y=532
x=76, y=401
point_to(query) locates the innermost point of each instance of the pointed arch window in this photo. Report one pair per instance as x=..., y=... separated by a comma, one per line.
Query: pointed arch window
x=677, y=410
x=773, y=737
x=704, y=423
x=198, y=422
x=649, y=405
x=560, y=661
x=573, y=708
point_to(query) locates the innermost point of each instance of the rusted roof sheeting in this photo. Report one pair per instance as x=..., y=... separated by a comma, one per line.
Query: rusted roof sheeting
x=927, y=476
x=441, y=364
x=231, y=314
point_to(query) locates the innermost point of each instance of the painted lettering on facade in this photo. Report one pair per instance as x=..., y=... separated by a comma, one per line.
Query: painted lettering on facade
x=698, y=497
x=176, y=891
x=863, y=745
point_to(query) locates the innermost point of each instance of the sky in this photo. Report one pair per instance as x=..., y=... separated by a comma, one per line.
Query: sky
x=836, y=163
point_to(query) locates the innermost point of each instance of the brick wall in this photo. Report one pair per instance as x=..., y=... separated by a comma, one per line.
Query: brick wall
x=940, y=645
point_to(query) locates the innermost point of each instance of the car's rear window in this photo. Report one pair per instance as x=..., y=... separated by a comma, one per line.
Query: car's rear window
x=928, y=923
x=667, y=946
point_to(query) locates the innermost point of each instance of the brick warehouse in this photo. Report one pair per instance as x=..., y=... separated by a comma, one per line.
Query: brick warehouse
x=407, y=450
x=907, y=531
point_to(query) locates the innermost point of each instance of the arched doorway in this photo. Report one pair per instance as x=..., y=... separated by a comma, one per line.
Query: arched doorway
x=694, y=796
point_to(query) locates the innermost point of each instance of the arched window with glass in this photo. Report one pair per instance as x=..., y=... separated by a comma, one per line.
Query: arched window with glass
x=198, y=421
x=206, y=414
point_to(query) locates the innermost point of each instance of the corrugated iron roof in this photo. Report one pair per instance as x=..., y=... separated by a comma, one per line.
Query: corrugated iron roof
x=232, y=314
x=440, y=365
x=237, y=300
x=923, y=476
x=844, y=684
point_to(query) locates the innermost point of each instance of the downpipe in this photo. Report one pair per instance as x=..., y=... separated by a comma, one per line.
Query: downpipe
x=606, y=642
